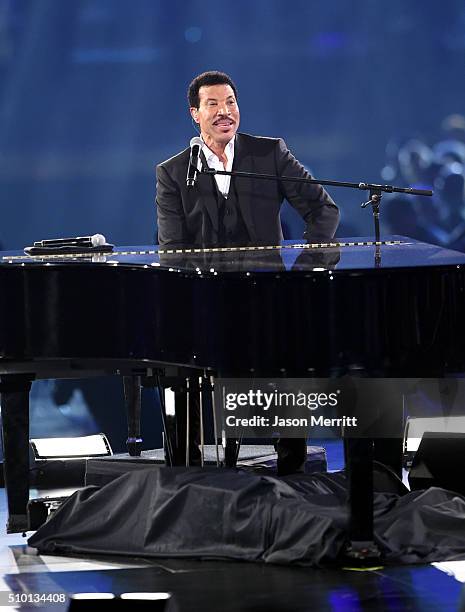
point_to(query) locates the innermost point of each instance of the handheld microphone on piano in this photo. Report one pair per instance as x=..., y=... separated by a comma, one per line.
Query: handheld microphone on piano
x=195, y=144
x=80, y=241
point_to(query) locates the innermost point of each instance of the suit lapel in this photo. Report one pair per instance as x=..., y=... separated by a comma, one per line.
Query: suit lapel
x=243, y=163
x=206, y=192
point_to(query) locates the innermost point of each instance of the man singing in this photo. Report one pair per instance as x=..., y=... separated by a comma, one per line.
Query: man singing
x=221, y=211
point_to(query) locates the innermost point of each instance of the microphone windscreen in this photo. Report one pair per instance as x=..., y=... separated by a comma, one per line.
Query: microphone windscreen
x=196, y=140
x=98, y=240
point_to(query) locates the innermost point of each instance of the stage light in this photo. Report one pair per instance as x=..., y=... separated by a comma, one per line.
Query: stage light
x=436, y=460
x=153, y=601
x=92, y=601
x=71, y=448
x=415, y=427
x=146, y=596
x=61, y=462
x=92, y=596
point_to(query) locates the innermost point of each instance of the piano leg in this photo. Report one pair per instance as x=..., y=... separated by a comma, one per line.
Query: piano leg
x=14, y=391
x=187, y=410
x=181, y=429
x=211, y=387
x=389, y=452
x=231, y=452
x=132, y=398
x=359, y=470
x=202, y=431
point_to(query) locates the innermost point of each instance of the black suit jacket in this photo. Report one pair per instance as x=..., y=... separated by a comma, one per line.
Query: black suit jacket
x=190, y=216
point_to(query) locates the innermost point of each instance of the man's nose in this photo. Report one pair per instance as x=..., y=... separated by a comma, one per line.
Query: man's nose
x=223, y=109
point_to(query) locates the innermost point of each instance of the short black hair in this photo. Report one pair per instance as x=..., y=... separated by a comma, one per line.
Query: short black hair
x=212, y=77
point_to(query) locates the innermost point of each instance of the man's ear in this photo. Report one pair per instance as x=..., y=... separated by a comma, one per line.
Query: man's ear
x=194, y=113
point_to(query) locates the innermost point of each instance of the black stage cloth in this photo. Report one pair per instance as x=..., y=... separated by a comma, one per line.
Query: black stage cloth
x=215, y=513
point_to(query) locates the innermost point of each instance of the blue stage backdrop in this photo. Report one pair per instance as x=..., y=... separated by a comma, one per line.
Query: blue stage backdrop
x=93, y=95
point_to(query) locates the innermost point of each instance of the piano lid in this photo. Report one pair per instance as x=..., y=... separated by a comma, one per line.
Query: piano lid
x=290, y=256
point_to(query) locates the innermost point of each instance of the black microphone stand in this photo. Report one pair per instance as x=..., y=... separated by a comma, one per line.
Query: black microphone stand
x=375, y=190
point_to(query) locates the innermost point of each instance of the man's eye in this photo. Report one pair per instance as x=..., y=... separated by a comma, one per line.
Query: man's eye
x=212, y=104
x=231, y=102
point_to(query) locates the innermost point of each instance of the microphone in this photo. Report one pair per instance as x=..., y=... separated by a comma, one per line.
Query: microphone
x=195, y=144
x=81, y=241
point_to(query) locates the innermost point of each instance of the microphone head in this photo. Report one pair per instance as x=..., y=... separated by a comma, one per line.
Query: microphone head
x=196, y=140
x=98, y=240
x=194, y=161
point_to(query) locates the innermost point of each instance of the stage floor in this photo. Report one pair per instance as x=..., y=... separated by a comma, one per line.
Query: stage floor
x=229, y=586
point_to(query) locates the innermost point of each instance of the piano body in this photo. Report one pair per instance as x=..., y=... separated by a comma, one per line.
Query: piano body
x=392, y=309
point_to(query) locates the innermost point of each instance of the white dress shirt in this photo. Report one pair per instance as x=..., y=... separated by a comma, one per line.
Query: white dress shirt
x=222, y=180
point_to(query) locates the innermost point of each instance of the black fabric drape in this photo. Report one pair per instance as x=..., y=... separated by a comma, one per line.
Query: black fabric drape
x=211, y=513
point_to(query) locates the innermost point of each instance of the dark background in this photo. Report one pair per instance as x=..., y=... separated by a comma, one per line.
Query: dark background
x=92, y=96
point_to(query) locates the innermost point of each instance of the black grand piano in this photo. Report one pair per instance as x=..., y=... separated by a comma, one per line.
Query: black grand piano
x=388, y=309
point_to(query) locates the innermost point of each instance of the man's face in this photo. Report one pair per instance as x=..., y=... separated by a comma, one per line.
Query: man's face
x=218, y=114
